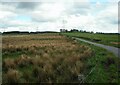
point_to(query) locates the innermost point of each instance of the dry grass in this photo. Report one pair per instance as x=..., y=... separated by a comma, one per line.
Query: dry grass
x=9, y=64
x=53, y=58
x=23, y=61
x=12, y=76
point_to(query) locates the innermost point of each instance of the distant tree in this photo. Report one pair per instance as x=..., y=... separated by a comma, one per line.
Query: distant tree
x=63, y=30
x=91, y=32
x=85, y=31
x=74, y=30
x=81, y=31
x=99, y=33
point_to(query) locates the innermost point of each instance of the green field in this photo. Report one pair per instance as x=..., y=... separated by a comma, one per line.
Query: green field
x=55, y=58
x=107, y=39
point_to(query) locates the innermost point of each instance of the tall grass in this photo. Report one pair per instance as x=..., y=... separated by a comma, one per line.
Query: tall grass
x=58, y=59
x=9, y=64
x=12, y=76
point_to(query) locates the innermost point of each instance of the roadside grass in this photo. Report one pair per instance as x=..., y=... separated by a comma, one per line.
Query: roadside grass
x=102, y=67
x=107, y=39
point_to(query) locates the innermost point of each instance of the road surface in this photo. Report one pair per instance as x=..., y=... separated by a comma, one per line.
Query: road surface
x=114, y=50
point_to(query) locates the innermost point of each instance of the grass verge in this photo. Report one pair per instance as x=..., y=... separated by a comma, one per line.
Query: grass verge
x=102, y=67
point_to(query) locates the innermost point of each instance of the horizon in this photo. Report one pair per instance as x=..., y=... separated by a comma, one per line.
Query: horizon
x=89, y=15
x=58, y=32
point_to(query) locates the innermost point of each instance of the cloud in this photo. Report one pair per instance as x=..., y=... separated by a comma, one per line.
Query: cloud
x=107, y=19
x=48, y=12
x=80, y=8
x=28, y=5
x=45, y=15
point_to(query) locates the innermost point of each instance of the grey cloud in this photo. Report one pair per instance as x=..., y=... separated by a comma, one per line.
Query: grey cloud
x=80, y=8
x=112, y=20
x=43, y=20
x=82, y=5
x=9, y=3
x=28, y=5
x=79, y=11
x=115, y=22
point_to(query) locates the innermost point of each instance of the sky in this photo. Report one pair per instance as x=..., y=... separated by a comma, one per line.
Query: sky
x=53, y=15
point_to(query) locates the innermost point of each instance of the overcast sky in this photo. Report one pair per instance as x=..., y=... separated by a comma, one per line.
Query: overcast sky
x=52, y=15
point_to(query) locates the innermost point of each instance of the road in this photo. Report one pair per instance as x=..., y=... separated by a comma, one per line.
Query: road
x=114, y=50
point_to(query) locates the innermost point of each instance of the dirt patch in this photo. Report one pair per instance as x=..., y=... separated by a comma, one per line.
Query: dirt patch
x=116, y=43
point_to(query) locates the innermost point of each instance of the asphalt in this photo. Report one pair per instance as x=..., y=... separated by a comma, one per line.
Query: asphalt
x=114, y=50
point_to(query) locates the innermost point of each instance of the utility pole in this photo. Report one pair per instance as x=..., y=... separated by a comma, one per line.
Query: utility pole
x=64, y=23
x=3, y=29
x=36, y=29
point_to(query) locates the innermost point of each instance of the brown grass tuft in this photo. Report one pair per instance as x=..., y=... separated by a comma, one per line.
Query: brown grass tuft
x=12, y=76
x=23, y=61
x=9, y=63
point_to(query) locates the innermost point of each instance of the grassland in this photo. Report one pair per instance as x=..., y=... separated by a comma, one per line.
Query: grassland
x=42, y=58
x=54, y=58
x=107, y=39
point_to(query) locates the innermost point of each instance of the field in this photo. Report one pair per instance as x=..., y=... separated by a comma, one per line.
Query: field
x=53, y=58
x=107, y=39
x=42, y=58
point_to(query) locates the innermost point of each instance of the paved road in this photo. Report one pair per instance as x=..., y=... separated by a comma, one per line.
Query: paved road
x=109, y=48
